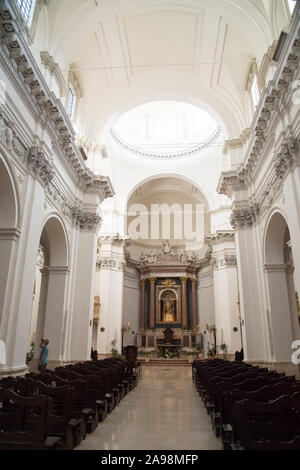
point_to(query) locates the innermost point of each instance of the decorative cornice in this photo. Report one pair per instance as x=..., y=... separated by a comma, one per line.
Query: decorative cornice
x=237, y=143
x=231, y=181
x=184, y=153
x=111, y=263
x=219, y=236
x=278, y=91
x=114, y=238
x=86, y=220
x=225, y=261
x=19, y=63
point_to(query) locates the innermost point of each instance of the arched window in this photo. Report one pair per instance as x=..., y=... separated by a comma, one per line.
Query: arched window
x=74, y=94
x=255, y=91
x=252, y=86
x=70, y=103
x=292, y=4
x=27, y=9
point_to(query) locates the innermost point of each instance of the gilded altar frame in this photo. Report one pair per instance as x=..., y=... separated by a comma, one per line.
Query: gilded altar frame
x=159, y=291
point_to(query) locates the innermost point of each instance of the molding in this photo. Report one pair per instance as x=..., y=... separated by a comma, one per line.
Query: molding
x=237, y=143
x=277, y=94
x=10, y=234
x=111, y=263
x=275, y=268
x=18, y=62
x=219, y=236
x=13, y=371
x=57, y=269
x=114, y=238
x=224, y=261
x=203, y=145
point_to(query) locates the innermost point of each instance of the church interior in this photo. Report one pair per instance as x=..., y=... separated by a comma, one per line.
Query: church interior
x=149, y=224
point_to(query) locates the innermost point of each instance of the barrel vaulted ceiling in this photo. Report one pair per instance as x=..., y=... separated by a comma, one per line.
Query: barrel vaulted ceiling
x=128, y=52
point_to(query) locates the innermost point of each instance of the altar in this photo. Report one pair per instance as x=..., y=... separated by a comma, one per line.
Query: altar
x=168, y=284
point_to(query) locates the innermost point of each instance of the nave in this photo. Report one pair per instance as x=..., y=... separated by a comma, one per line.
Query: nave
x=163, y=412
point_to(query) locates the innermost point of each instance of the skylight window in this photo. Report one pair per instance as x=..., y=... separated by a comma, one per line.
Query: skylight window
x=27, y=9
x=292, y=4
x=255, y=92
x=70, y=103
x=165, y=127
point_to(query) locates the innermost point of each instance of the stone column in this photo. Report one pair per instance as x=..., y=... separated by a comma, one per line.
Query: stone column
x=184, y=302
x=226, y=293
x=111, y=262
x=194, y=303
x=152, y=302
x=84, y=273
x=17, y=303
x=142, y=306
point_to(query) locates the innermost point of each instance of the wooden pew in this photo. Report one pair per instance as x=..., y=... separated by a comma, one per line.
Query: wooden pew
x=59, y=422
x=275, y=421
x=88, y=401
x=23, y=423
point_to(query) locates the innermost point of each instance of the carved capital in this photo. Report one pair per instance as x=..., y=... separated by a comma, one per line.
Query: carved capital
x=231, y=181
x=39, y=166
x=86, y=220
x=244, y=217
x=286, y=157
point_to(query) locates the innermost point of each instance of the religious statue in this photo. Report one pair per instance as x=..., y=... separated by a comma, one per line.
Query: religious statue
x=169, y=311
x=166, y=247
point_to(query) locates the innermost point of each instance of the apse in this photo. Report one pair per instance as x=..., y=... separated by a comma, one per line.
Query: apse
x=167, y=208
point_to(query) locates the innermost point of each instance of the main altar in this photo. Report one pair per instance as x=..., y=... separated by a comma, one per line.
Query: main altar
x=169, y=301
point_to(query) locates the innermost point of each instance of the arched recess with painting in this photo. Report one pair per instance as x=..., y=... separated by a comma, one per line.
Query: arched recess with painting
x=279, y=269
x=48, y=319
x=9, y=231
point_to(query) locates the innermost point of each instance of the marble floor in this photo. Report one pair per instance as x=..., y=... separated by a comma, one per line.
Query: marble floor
x=164, y=412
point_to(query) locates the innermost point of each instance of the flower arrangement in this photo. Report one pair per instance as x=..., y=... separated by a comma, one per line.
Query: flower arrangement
x=191, y=355
x=114, y=352
x=148, y=354
x=168, y=354
x=224, y=348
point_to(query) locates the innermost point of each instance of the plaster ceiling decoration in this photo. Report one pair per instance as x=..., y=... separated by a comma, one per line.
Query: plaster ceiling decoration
x=165, y=129
x=172, y=43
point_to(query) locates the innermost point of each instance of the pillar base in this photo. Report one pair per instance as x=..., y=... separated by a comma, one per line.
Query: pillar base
x=13, y=371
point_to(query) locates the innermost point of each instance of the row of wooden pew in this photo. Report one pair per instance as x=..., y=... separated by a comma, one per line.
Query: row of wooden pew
x=251, y=408
x=55, y=410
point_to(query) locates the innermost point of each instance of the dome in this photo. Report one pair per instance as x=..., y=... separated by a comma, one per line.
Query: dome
x=165, y=128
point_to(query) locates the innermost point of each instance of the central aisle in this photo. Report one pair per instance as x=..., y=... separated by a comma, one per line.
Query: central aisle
x=164, y=412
